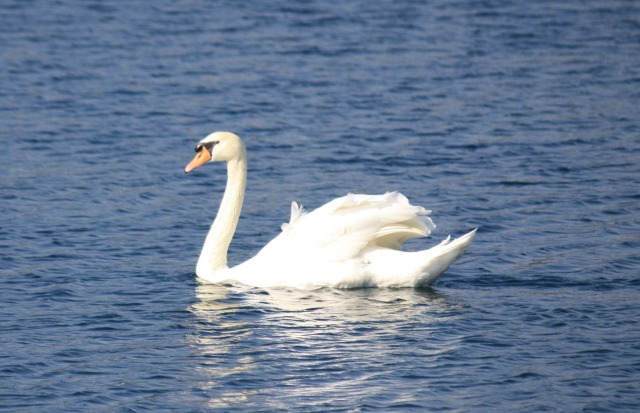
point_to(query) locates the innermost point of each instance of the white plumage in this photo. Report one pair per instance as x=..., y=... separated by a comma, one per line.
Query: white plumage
x=349, y=242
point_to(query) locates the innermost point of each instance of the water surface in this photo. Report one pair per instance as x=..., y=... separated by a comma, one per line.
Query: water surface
x=519, y=119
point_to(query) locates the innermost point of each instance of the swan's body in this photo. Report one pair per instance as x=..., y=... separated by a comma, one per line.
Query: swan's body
x=349, y=242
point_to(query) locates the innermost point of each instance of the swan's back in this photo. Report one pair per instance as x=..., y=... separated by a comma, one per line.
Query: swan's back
x=344, y=227
x=337, y=244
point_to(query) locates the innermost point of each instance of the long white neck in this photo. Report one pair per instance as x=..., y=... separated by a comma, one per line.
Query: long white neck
x=214, y=252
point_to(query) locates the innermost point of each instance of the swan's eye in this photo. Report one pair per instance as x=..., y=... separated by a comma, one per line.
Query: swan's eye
x=208, y=145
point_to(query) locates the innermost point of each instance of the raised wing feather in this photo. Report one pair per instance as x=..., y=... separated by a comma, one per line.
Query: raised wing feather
x=341, y=229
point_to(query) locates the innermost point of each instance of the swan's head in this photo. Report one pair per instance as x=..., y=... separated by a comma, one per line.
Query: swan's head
x=219, y=146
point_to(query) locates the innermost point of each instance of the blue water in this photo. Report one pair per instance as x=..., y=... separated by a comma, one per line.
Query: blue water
x=520, y=118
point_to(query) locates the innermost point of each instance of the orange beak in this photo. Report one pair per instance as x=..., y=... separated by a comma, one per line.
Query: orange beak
x=202, y=157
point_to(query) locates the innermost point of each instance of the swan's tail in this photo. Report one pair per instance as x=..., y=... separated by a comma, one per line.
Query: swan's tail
x=440, y=257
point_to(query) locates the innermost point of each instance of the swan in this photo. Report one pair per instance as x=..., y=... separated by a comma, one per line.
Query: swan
x=350, y=242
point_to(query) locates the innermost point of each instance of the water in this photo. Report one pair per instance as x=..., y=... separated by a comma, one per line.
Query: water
x=518, y=118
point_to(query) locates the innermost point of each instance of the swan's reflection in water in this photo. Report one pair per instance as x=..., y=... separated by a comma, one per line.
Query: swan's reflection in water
x=269, y=346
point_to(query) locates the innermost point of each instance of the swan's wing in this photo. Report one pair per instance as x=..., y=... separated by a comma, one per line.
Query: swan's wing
x=343, y=228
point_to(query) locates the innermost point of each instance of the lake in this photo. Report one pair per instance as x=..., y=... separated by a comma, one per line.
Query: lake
x=519, y=118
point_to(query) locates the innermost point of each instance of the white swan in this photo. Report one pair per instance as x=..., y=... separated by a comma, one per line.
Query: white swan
x=349, y=242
